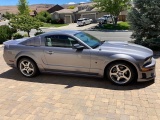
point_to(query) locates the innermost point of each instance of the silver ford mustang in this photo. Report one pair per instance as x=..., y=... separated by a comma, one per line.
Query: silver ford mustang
x=76, y=52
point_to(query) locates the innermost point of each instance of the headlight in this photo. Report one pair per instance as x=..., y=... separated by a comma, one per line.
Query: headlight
x=148, y=61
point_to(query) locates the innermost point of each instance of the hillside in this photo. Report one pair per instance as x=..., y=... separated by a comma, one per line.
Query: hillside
x=13, y=9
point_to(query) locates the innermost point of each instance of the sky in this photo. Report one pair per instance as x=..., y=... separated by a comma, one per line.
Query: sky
x=14, y=2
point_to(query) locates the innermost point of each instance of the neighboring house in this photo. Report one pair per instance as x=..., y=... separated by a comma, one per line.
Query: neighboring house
x=84, y=10
x=68, y=15
x=123, y=15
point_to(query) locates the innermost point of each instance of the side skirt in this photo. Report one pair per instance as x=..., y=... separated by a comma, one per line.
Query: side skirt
x=77, y=73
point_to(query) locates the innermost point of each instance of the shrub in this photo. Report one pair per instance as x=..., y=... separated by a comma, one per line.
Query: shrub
x=38, y=33
x=144, y=19
x=25, y=35
x=17, y=36
x=54, y=21
x=119, y=26
x=6, y=33
x=57, y=21
x=153, y=44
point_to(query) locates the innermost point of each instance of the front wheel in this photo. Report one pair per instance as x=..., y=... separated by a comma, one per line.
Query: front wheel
x=27, y=67
x=120, y=73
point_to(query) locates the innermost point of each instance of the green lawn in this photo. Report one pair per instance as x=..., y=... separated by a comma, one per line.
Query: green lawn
x=119, y=26
x=53, y=25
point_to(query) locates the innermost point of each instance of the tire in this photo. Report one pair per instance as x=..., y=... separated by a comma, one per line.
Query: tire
x=28, y=67
x=120, y=73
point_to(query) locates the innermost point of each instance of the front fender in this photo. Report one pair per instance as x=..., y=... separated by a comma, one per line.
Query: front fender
x=122, y=57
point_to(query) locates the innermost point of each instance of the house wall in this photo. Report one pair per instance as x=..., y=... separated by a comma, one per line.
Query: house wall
x=101, y=14
x=76, y=16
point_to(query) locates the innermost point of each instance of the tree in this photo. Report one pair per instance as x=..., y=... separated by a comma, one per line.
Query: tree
x=44, y=16
x=144, y=19
x=113, y=7
x=23, y=7
x=25, y=23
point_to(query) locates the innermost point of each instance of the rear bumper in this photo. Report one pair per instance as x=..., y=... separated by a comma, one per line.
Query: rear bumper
x=148, y=75
x=8, y=61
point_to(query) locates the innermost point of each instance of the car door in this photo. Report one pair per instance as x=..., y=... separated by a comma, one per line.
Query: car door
x=60, y=55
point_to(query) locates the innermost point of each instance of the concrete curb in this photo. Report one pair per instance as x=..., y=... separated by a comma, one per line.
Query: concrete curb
x=46, y=27
x=104, y=30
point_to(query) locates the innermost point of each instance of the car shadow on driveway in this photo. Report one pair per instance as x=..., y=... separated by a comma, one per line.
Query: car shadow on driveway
x=71, y=81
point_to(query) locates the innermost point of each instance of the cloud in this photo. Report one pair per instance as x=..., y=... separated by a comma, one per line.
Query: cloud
x=71, y=3
x=82, y=2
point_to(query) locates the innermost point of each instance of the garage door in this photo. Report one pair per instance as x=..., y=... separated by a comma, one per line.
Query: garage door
x=91, y=16
x=68, y=19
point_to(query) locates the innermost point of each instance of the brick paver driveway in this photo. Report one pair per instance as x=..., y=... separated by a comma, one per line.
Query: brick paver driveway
x=52, y=97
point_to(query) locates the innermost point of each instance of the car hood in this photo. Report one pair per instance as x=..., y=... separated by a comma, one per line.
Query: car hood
x=127, y=48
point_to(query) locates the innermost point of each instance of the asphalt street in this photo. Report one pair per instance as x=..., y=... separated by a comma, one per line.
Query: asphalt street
x=102, y=35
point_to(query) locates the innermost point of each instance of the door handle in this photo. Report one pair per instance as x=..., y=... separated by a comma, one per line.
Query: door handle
x=49, y=52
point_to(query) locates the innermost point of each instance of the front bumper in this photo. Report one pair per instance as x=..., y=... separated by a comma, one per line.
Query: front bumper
x=148, y=75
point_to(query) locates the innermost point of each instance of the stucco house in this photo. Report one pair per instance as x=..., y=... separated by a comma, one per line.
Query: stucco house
x=85, y=10
x=68, y=15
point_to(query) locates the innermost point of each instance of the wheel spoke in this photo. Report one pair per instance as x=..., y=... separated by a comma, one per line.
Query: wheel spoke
x=125, y=70
x=118, y=78
x=23, y=69
x=126, y=78
x=22, y=63
x=27, y=71
x=31, y=69
x=117, y=67
x=28, y=64
x=114, y=74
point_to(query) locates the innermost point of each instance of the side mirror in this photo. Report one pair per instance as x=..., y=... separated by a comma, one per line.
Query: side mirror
x=78, y=47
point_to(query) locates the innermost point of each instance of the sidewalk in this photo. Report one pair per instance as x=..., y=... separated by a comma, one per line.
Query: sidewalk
x=1, y=45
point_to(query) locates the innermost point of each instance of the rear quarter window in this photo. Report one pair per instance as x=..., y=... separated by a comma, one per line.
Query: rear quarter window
x=35, y=41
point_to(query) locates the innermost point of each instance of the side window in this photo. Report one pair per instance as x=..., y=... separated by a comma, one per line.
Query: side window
x=60, y=41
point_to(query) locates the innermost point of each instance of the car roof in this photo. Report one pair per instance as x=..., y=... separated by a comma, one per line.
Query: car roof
x=63, y=32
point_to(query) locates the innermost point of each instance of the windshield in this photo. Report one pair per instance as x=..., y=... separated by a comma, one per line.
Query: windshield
x=89, y=39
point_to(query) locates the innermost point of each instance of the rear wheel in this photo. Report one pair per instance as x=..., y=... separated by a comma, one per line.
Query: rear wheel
x=27, y=67
x=120, y=73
